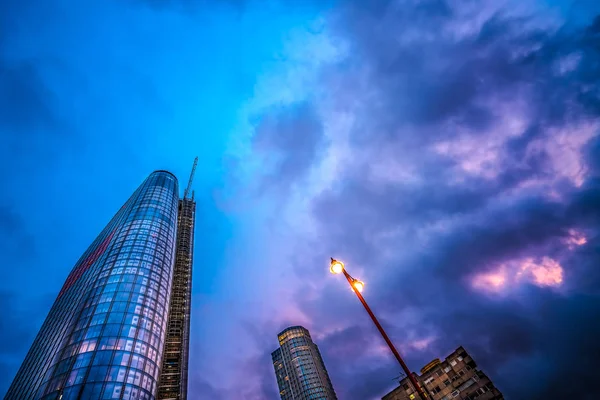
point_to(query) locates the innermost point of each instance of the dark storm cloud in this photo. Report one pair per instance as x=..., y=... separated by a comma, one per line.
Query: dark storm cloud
x=433, y=77
x=200, y=387
x=15, y=240
x=423, y=73
x=238, y=5
x=539, y=341
x=10, y=13
x=343, y=354
x=289, y=137
x=187, y=6
x=263, y=364
x=24, y=99
x=265, y=337
x=500, y=333
x=16, y=330
x=16, y=247
x=483, y=66
x=9, y=222
x=18, y=326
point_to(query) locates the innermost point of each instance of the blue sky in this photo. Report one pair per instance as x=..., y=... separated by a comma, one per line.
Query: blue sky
x=446, y=150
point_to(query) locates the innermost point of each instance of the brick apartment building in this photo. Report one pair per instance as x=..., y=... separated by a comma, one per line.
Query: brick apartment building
x=457, y=377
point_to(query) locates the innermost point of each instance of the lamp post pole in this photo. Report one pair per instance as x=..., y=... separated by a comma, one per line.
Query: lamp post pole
x=408, y=373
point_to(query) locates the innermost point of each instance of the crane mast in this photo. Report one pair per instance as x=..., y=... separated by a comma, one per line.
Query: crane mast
x=189, y=185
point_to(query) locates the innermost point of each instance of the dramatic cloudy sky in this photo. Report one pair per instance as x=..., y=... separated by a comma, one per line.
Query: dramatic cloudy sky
x=447, y=150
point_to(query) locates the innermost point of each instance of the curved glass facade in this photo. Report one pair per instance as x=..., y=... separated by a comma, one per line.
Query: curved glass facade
x=299, y=368
x=104, y=336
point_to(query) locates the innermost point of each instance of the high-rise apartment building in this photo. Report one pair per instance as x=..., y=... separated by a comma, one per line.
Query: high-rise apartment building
x=105, y=333
x=299, y=368
x=457, y=377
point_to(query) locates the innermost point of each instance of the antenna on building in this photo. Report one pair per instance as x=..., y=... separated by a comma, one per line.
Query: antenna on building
x=189, y=185
x=400, y=377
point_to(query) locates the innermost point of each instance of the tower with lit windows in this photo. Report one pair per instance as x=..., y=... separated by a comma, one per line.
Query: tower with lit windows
x=105, y=335
x=299, y=367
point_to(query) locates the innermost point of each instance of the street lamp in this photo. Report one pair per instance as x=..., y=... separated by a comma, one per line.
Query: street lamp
x=337, y=267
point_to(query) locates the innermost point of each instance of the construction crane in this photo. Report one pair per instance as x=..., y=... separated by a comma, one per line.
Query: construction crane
x=189, y=185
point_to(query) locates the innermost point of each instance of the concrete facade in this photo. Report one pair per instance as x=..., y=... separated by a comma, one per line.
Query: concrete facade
x=457, y=377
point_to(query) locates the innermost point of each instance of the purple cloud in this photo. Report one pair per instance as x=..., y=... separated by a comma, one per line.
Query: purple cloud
x=294, y=127
x=464, y=143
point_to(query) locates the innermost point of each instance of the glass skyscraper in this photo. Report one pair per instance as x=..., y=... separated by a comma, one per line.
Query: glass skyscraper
x=105, y=333
x=299, y=368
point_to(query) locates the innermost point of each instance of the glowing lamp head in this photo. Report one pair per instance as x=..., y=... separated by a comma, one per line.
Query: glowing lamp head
x=337, y=267
x=358, y=285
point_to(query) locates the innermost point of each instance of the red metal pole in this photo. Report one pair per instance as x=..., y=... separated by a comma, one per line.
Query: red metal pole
x=409, y=374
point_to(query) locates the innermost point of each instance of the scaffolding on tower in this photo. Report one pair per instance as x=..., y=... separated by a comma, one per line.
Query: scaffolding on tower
x=174, y=373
